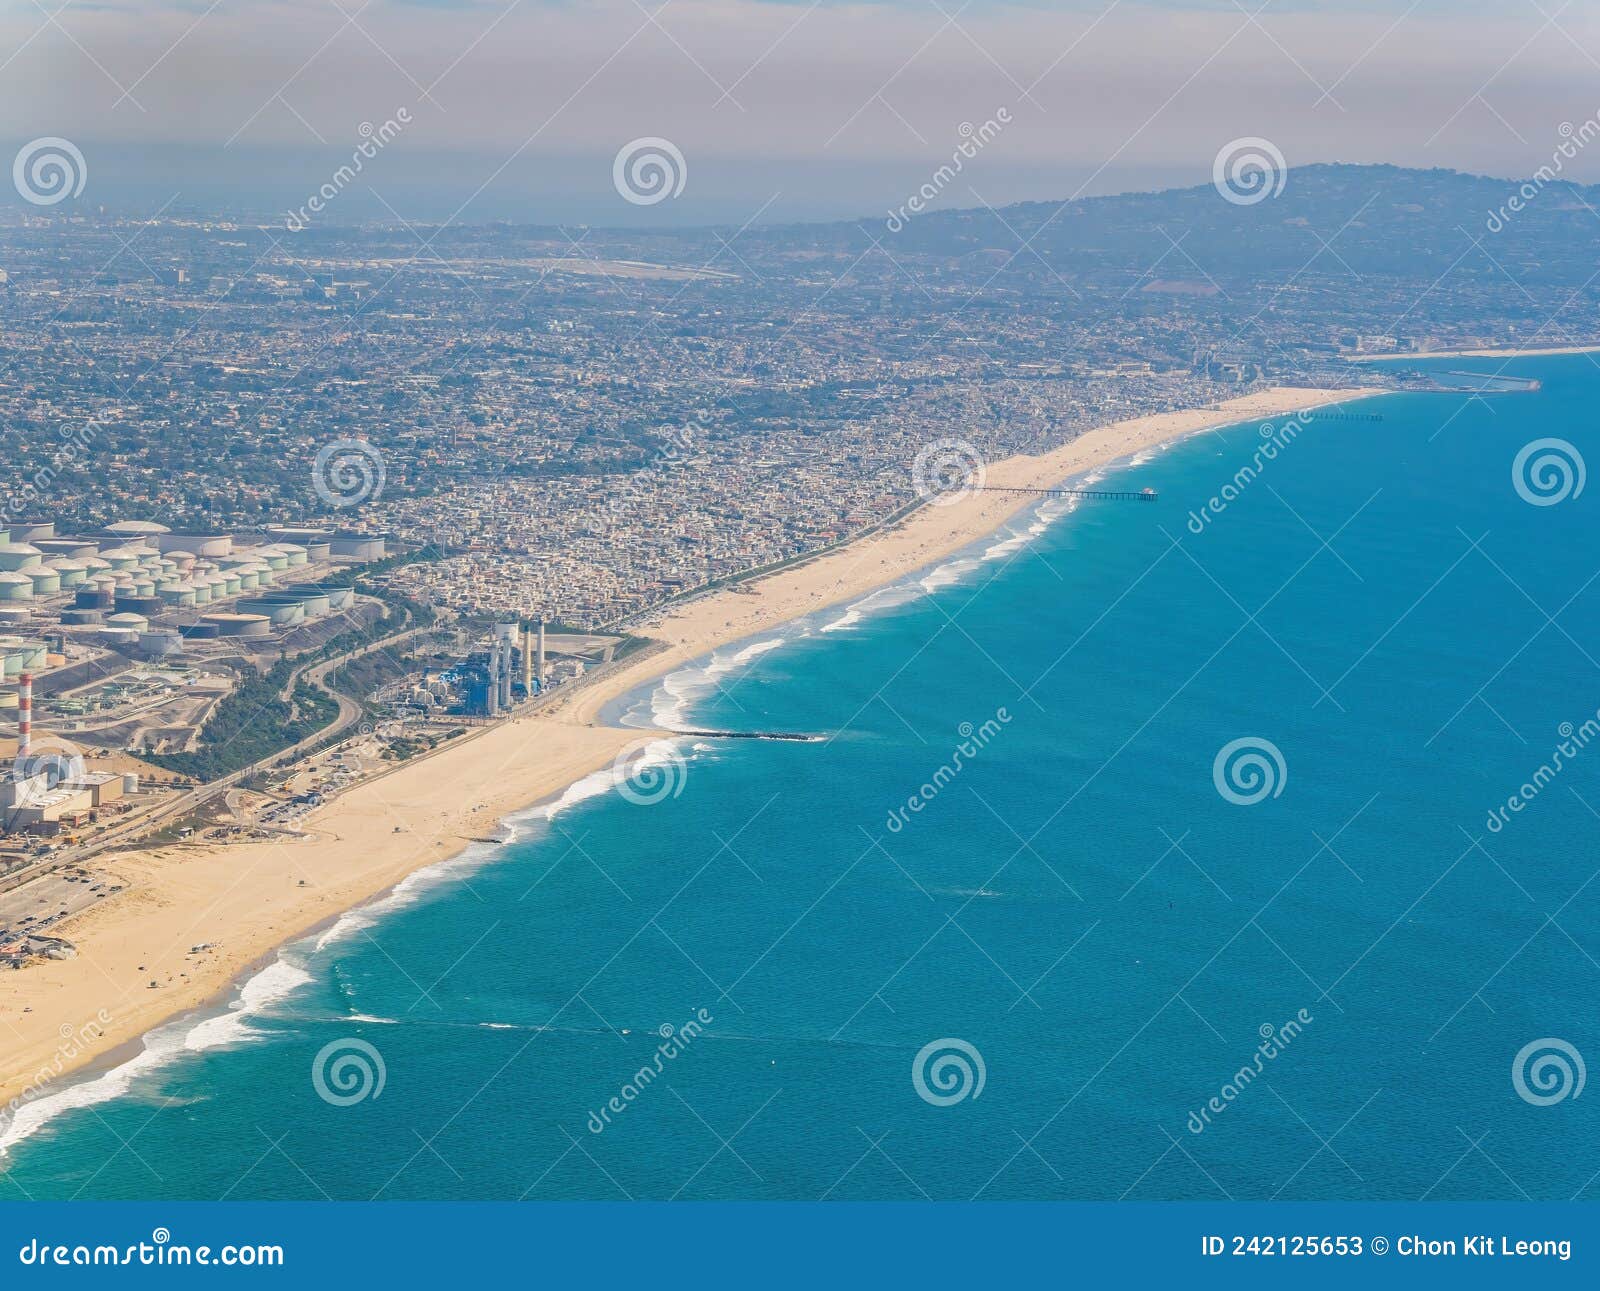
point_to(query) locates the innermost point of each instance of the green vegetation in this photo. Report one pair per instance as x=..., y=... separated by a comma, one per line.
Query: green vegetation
x=256, y=721
x=253, y=723
x=406, y=748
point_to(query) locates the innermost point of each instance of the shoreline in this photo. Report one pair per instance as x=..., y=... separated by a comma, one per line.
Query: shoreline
x=250, y=901
x=1513, y=352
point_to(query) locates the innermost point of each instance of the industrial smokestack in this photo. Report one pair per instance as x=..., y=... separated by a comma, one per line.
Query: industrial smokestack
x=540, y=667
x=492, y=697
x=504, y=635
x=24, y=717
x=527, y=661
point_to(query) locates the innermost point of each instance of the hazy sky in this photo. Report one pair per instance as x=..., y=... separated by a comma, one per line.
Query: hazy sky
x=785, y=107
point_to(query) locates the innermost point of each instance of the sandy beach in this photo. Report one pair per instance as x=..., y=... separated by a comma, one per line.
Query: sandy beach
x=137, y=964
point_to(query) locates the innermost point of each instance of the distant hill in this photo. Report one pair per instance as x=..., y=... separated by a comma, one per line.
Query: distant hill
x=1383, y=220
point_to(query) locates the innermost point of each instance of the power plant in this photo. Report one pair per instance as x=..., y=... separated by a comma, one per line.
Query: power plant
x=487, y=680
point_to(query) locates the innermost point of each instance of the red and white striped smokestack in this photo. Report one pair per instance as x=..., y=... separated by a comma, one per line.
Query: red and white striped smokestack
x=24, y=716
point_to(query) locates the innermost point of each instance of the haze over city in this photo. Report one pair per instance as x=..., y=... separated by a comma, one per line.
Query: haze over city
x=784, y=110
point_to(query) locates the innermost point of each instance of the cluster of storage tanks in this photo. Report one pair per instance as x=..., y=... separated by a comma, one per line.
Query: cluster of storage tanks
x=289, y=607
x=137, y=570
x=18, y=656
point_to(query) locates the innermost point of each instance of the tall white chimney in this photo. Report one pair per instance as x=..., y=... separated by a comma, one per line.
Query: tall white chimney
x=24, y=718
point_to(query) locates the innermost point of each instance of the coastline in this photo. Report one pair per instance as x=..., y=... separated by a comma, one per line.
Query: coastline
x=1515, y=352
x=250, y=900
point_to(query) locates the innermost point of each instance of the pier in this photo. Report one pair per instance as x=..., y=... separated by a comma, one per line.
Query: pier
x=1113, y=495
x=1342, y=416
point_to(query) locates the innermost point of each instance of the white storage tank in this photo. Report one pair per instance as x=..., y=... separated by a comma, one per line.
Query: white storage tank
x=281, y=614
x=19, y=555
x=160, y=642
x=239, y=625
x=359, y=546
x=72, y=572
x=15, y=587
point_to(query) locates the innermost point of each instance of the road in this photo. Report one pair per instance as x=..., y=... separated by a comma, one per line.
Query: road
x=315, y=674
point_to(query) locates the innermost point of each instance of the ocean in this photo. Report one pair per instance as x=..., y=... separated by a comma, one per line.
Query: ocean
x=1238, y=845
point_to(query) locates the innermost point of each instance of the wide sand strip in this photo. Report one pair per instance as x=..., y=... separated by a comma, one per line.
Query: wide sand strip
x=247, y=899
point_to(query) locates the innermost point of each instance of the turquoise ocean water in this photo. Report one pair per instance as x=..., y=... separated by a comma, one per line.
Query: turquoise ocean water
x=1075, y=913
